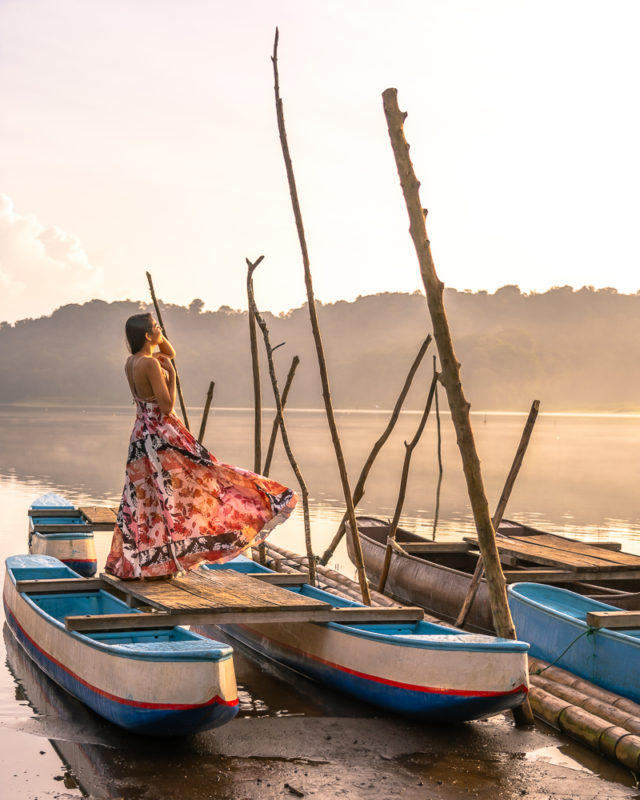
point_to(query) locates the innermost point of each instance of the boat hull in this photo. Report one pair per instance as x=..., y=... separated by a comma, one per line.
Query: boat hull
x=553, y=621
x=448, y=675
x=75, y=548
x=437, y=588
x=147, y=686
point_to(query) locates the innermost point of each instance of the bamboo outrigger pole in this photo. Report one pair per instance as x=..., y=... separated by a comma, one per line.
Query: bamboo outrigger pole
x=358, y=492
x=326, y=391
x=255, y=367
x=164, y=333
x=451, y=378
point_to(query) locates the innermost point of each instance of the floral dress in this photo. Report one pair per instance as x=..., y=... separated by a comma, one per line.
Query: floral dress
x=181, y=506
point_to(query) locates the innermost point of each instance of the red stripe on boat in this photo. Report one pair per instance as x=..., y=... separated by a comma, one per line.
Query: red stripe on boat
x=397, y=684
x=115, y=698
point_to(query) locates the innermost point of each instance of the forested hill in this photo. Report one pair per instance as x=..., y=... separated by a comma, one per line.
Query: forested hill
x=574, y=350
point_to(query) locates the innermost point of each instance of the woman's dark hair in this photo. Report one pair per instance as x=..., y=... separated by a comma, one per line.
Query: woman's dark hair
x=136, y=328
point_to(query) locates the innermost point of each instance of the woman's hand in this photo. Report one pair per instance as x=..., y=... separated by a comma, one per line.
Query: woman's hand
x=165, y=362
x=166, y=348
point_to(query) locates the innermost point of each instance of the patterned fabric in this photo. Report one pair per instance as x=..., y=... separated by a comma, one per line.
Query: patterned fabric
x=181, y=506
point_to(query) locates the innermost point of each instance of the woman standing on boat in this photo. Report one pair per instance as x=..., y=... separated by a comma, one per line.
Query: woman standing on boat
x=180, y=505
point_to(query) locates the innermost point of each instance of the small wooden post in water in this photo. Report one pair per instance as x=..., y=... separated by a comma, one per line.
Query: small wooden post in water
x=164, y=333
x=358, y=492
x=500, y=508
x=409, y=448
x=285, y=436
x=436, y=513
x=324, y=377
x=255, y=367
x=274, y=430
x=205, y=411
x=451, y=379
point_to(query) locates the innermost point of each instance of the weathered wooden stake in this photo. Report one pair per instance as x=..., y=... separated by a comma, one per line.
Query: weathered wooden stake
x=205, y=411
x=255, y=367
x=326, y=392
x=274, y=430
x=285, y=436
x=436, y=513
x=500, y=508
x=409, y=448
x=451, y=378
x=358, y=492
x=164, y=333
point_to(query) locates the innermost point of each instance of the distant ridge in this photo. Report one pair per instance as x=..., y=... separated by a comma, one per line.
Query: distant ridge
x=574, y=350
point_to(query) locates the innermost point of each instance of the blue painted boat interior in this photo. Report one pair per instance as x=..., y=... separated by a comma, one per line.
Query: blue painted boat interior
x=175, y=642
x=563, y=602
x=421, y=634
x=57, y=521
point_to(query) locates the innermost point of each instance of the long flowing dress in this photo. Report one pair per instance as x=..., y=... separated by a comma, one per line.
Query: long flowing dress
x=181, y=506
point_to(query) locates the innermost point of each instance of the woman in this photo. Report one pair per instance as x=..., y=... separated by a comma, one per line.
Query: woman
x=180, y=506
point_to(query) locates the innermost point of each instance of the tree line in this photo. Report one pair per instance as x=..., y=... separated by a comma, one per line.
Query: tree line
x=574, y=350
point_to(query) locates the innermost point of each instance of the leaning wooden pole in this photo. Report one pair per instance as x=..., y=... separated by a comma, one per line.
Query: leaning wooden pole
x=205, y=411
x=450, y=372
x=436, y=513
x=409, y=448
x=500, y=508
x=255, y=369
x=326, y=392
x=285, y=436
x=274, y=429
x=164, y=333
x=358, y=492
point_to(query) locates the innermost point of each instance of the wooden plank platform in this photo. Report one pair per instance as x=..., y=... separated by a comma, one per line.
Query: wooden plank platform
x=556, y=551
x=101, y=518
x=568, y=575
x=165, y=619
x=219, y=597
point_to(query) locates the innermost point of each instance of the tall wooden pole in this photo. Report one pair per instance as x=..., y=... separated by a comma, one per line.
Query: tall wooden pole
x=326, y=392
x=358, y=492
x=436, y=513
x=458, y=404
x=500, y=508
x=274, y=430
x=164, y=333
x=255, y=368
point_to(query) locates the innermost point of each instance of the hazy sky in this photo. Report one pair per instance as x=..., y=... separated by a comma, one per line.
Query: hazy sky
x=142, y=135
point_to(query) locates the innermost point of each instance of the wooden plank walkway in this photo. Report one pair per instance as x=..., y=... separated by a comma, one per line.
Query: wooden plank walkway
x=219, y=597
x=101, y=518
x=556, y=551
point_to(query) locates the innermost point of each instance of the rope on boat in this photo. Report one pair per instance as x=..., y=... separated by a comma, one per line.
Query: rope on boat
x=589, y=632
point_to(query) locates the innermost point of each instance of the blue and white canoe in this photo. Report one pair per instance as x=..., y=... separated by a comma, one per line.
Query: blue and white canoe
x=57, y=528
x=554, y=622
x=162, y=682
x=419, y=669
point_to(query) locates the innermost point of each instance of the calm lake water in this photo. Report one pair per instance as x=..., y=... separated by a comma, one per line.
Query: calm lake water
x=580, y=477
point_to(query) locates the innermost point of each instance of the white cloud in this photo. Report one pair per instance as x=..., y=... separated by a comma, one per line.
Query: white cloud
x=41, y=267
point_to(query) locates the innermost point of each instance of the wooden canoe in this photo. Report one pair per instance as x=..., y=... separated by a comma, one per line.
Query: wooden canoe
x=159, y=682
x=436, y=575
x=418, y=669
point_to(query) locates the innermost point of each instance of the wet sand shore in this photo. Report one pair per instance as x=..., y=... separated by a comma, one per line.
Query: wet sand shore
x=291, y=739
